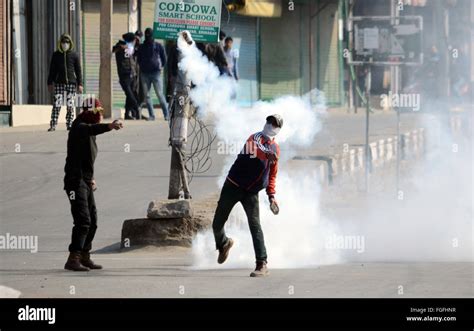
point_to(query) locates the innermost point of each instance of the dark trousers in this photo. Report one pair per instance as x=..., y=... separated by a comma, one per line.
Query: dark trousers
x=230, y=195
x=131, y=102
x=84, y=214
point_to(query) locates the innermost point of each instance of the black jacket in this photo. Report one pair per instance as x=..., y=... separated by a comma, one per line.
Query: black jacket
x=65, y=67
x=81, y=152
x=151, y=57
x=126, y=65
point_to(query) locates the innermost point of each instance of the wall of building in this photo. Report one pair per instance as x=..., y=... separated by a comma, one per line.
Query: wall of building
x=5, y=49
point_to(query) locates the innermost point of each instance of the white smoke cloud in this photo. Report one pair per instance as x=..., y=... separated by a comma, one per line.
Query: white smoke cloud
x=291, y=241
x=432, y=223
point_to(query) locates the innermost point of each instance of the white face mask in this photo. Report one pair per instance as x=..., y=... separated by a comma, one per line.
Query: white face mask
x=130, y=48
x=270, y=131
x=65, y=46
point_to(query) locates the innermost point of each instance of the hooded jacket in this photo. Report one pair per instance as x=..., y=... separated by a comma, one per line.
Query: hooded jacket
x=65, y=67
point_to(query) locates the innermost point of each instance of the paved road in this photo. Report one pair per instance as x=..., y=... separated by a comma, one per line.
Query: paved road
x=33, y=203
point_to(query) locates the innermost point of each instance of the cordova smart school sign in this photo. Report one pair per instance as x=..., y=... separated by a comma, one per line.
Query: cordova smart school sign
x=201, y=17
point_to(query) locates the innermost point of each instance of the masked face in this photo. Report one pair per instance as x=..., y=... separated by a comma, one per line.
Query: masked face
x=130, y=48
x=270, y=131
x=65, y=46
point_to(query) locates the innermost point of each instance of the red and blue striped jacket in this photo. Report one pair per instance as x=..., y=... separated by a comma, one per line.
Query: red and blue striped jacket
x=252, y=170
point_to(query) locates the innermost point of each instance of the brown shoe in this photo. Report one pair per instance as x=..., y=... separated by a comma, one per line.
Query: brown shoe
x=86, y=261
x=224, y=251
x=74, y=262
x=261, y=270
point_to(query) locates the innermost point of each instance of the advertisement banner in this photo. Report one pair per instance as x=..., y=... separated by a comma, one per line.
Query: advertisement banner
x=201, y=17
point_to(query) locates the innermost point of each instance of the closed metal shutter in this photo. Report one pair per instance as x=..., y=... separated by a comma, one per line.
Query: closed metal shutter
x=282, y=44
x=243, y=30
x=293, y=61
x=91, y=38
x=327, y=55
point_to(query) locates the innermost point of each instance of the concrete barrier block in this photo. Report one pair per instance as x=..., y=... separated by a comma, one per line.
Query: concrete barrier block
x=352, y=161
x=165, y=232
x=360, y=158
x=381, y=151
x=323, y=174
x=389, y=153
x=169, y=209
x=373, y=154
x=35, y=115
x=335, y=168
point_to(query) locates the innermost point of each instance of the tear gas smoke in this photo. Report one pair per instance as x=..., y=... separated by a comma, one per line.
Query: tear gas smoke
x=300, y=236
x=212, y=95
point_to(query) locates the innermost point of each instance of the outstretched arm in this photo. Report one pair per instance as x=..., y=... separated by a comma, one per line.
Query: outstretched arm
x=96, y=129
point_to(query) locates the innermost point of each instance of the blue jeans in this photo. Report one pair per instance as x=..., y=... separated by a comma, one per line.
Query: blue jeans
x=147, y=80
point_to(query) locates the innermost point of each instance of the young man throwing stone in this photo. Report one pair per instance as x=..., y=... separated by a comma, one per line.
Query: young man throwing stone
x=254, y=169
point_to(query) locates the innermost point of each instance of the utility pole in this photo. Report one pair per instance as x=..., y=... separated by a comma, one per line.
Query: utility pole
x=105, y=73
x=181, y=110
x=395, y=87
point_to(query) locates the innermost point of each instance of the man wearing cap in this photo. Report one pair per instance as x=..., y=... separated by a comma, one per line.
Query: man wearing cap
x=79, y=182
x=254, y=169
x=127, y=71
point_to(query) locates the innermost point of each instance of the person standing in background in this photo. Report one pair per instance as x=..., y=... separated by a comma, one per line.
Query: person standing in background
x=139, y=38
x=127, y=71
x=151, y=58
x=231, y=58
x=64, y=76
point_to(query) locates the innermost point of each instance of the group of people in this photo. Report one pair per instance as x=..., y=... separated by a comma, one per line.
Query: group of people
x=255, y=168
x=140, y=61
x=139, y=66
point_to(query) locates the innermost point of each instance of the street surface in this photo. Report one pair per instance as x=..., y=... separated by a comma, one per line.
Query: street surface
x=33, y=203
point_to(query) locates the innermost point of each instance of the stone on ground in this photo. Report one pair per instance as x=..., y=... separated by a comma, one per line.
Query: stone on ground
x=169, y=209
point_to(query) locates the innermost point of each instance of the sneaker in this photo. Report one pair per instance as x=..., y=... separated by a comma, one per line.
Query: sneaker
x=51, y=129
x=261, y=270
x=224, y=251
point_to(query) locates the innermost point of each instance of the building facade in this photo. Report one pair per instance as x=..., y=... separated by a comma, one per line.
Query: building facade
x=297, y=50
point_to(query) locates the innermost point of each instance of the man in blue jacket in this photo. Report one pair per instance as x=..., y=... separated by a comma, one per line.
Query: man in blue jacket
x=151, y=59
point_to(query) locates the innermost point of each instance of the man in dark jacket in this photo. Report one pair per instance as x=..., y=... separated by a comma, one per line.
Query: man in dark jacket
x=127, y=71
x=79, y=182
x=65, y=74
x=151, y=59
x=254, y=169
